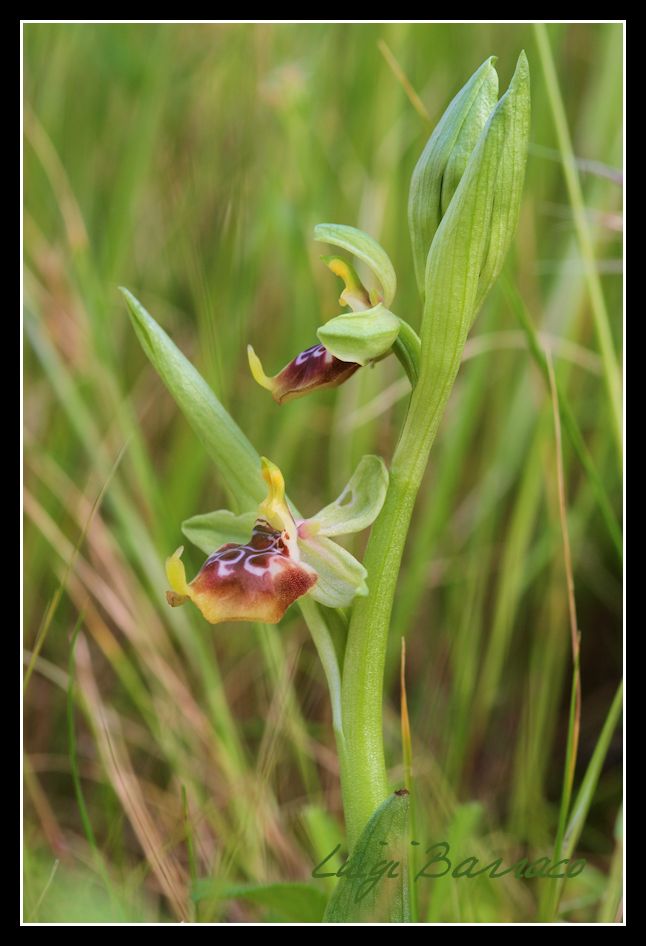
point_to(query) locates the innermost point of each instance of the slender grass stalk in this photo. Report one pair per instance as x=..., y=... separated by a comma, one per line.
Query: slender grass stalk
x=579, y=810
x=567, y=418
x=597, y=301
x=55, y=601
x=86, y=821
x=611, y=907
x=574, y=721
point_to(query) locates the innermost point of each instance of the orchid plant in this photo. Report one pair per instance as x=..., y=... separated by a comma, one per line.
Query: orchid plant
x=263, y=556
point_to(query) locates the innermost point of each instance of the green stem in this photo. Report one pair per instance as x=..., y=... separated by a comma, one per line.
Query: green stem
x=407, y=348
x=363, y=776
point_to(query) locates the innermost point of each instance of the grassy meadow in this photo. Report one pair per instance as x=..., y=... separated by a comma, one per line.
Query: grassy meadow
x=175, y=771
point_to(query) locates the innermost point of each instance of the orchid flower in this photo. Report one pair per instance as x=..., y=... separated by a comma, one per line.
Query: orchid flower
x=351, y=340
x=258, y=578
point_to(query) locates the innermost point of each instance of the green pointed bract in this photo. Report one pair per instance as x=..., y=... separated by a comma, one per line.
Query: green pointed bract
x=444, y=159
x=360, y=337
x=365, y=248
x=358, y=505
x=234, y=456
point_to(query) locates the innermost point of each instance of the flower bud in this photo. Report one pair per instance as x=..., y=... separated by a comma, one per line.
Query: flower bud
x=444, y=159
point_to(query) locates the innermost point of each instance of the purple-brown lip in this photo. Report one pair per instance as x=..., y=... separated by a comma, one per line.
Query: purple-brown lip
x=314, y=368
x=253, y=582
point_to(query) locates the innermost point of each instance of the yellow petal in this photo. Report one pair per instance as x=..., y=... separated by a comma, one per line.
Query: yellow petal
x=274, y=508
x=257, y=370
x=354, y=294
x=176, y=574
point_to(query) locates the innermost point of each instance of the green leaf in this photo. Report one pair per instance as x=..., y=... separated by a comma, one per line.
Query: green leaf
x=359, y=503
x=233, y=454
x=340, y=576
x=360, y=337
x=369, y=891
x=365, y=248
x=214, y=529
x=444, y=160
x=296, y=902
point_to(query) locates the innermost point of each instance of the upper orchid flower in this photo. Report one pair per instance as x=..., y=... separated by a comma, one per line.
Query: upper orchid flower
x=349, y=341
x=316, y=367
x=257, y=578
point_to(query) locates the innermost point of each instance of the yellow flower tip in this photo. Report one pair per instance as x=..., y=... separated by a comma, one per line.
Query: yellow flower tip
x=273, y=478
x=354, y=294
x=257, y=370
x=343, y=270
x=176, y=575
x=274, y=508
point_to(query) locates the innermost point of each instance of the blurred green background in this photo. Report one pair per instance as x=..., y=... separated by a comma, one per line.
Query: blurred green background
x=190, y=164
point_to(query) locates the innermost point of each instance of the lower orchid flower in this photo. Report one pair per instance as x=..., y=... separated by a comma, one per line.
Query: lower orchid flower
x=258, y=578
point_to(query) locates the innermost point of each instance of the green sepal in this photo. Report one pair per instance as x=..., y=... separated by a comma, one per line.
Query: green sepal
x=212, y=530
x=340, y=576
x=360, y=337
x=359, y=503
x=445, y=156
x=365, y=248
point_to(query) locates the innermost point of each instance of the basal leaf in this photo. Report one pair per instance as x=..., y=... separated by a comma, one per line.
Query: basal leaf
x=291, y=902
x=374, y=885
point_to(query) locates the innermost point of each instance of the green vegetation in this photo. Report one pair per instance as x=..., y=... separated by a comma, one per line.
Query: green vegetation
x=178, y=771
